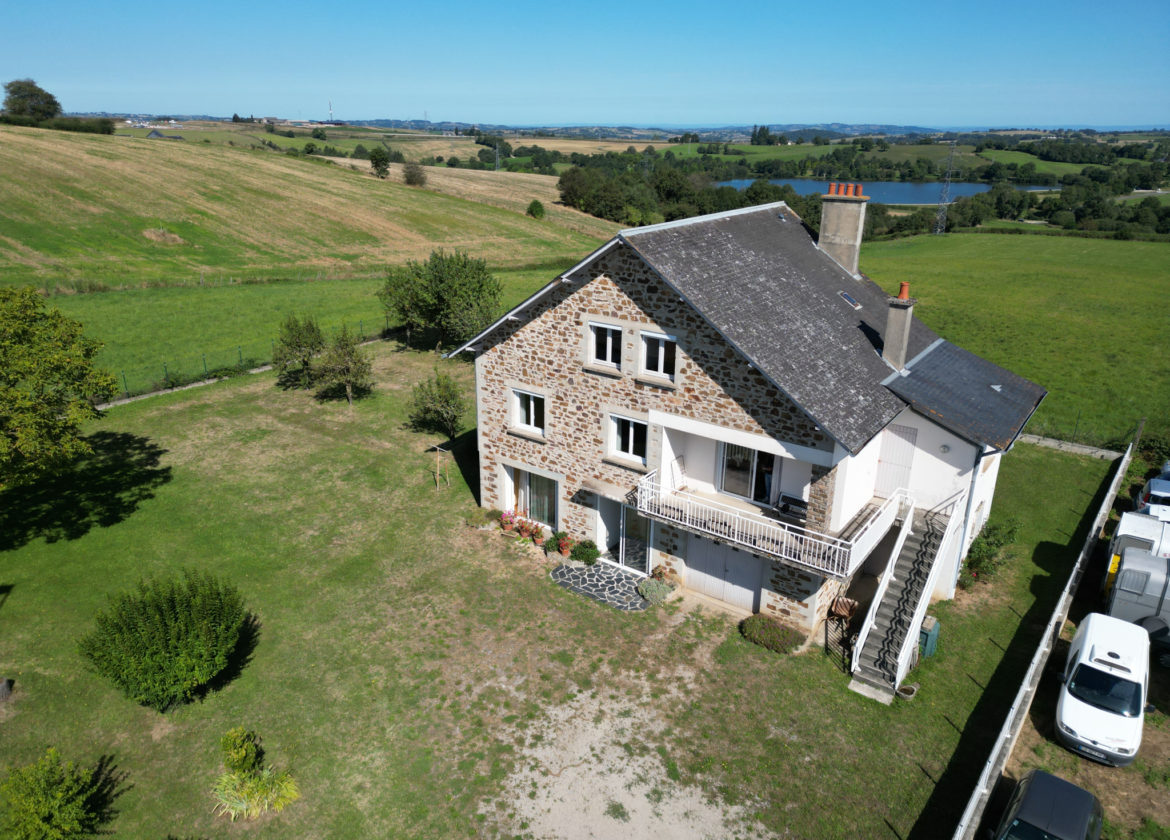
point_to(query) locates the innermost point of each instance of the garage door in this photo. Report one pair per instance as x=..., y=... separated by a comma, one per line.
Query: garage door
x=722, y=572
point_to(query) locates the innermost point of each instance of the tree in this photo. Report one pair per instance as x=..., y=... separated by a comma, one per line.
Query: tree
x=452, y=293
x=50, y=800
x=438, y=405
x=25, y=98
x=344, y=367
x=380, y=161
x=235, y=118
x=413, y=174
x=297, y=344
x=535, y=209
x=318, y=134
x=310, y=148
x=48, y=386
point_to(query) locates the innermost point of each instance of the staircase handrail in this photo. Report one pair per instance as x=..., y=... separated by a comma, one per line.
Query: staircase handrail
x=910, y=642
x=883, y=583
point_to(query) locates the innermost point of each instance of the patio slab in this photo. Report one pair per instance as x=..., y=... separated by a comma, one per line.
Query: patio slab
x=602, y=582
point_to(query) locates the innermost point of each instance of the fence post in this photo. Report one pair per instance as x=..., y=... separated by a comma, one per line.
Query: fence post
x=205, y=364
x=1076, y=426
x=166, y=374
x=240, y=351
x=361, y=330
x=125, y=387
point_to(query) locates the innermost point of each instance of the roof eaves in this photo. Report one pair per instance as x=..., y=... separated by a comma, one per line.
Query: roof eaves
x=731, y=342
x=512, y=314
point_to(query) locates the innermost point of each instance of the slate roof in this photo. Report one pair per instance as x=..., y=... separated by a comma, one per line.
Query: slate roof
x=759, y=279
x=972, y=397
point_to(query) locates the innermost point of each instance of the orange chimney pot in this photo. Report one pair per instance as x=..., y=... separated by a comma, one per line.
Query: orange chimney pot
x=833, y=188
x=904, y=290
x=859, y=190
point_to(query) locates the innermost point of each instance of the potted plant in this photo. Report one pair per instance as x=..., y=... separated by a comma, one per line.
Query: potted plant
x=585, y=552
x=508, y=520
x=563, y=543
x=538, y=535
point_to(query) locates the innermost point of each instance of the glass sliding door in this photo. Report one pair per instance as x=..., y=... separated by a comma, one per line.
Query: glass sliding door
x=537, y=495
x=635, y=540
x=747, y=473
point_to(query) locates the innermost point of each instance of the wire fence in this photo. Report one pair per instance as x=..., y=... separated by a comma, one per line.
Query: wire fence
x=1107, y=434
x=175, y=371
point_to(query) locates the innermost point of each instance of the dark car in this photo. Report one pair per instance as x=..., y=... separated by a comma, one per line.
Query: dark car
x=1046, y=807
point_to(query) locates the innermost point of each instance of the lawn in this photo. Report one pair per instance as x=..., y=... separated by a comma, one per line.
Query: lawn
x=182, y=331
x=408, y=668
x=1082, y=317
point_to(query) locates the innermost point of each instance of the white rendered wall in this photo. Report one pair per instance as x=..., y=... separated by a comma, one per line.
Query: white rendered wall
x=853, y=488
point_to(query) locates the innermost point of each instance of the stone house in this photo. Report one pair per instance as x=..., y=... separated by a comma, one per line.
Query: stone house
x=728, y=398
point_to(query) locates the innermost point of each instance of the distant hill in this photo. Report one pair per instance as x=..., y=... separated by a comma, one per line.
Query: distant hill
x=82, y=210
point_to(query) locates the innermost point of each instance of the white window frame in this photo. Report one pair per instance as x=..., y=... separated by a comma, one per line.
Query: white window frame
x=616, y=438
x=518, y=396
x=661, y=360
x=614, y=345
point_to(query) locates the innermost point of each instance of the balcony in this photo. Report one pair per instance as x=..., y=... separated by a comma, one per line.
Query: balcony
x=824, y=554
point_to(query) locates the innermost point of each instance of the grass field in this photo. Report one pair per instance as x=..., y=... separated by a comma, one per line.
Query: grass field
x=1057, y=168
x=1163, y=198
x=83, y=211
x=1085, y=318
x=185, y=330
x=407, y=667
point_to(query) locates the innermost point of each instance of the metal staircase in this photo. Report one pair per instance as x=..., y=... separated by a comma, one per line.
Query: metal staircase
x=879, y=663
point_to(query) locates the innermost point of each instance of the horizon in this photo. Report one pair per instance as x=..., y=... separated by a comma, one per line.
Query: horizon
x=544, y=66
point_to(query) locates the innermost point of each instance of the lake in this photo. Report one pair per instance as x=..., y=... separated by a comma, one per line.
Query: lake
x=886, y=192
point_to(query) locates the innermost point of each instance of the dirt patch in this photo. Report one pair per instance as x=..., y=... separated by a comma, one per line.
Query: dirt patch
x=163, y=236
x=587, y=773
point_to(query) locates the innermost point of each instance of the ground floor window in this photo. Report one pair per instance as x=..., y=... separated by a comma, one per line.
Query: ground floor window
x=536, y=494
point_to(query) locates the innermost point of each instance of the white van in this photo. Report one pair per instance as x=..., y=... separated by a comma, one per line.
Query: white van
x=1102, y=702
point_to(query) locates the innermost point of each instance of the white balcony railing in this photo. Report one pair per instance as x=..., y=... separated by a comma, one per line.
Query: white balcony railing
x=819, y=552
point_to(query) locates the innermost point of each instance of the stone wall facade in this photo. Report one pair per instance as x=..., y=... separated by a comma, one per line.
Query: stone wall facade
x=547, y=352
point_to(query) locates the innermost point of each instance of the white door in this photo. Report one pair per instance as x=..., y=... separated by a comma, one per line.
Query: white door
x=723, y=573
x=895, y=460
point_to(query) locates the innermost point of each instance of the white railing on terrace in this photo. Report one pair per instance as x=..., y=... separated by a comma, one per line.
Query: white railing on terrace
x=954, y=526
x=822, y=553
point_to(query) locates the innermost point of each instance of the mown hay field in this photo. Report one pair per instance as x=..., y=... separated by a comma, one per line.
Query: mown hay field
x=86, y=211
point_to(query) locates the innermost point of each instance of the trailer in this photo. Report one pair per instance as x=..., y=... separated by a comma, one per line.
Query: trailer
x=1136, y=530
x=1141, y=592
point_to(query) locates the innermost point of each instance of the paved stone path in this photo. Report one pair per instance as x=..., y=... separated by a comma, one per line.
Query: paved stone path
x=602, y=582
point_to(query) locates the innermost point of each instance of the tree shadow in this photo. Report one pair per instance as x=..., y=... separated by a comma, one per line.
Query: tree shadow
x=950, y=795
x=106, y=786
x=101, y=489
x=333, y=393
x=239, y=659
x=5, y=591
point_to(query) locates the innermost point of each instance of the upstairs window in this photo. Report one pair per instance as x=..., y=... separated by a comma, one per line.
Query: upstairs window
x=628, y=438
x=529, y=411
x=607, y=345
x=658, y=353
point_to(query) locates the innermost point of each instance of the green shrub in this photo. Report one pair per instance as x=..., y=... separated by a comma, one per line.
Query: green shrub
x=987, y=554
x=249, y=795
x=585, y=552
x=535, y=209
x=162, y=643
x=49, y=800
x=413, y=175
x=770, y=633
x=438, y=405
x=242, y=752
x=654, y=591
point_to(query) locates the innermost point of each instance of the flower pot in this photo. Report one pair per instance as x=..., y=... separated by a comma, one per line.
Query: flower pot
x=566, y=553
x=507, y=527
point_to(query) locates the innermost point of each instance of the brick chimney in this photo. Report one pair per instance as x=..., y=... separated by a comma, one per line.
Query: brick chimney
x=842, y=221
x=897, y=337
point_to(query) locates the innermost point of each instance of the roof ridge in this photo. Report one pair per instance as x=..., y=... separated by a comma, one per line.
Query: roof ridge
x=710, y=217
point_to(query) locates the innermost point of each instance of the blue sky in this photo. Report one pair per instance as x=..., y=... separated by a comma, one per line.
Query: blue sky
x=943, y=63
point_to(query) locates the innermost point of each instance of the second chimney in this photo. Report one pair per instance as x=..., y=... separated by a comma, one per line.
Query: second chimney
x=897, y=337
x=842, y=221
